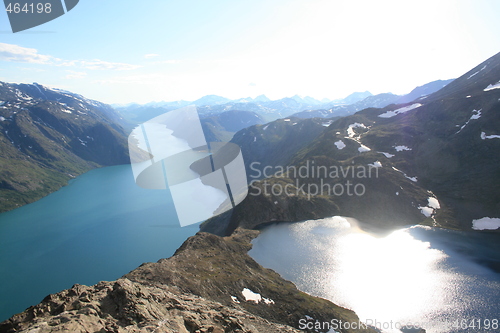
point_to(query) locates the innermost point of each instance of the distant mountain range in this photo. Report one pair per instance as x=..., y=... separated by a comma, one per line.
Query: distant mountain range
x=437, y=160
x=373, y=101
x=269, y=110
x=48, y=136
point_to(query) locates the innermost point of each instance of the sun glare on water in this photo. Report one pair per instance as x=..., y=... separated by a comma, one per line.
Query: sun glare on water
x=389, y=277
x=396, y=278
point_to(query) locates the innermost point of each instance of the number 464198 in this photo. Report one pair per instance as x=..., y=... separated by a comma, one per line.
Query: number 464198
x=485, y=324
x=29, y=8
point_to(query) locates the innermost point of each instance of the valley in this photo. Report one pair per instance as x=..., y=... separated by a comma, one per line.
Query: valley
x=428, y=158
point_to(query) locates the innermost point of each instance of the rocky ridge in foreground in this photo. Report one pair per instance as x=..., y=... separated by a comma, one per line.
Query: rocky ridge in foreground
x=206, y=286
x=126, y=306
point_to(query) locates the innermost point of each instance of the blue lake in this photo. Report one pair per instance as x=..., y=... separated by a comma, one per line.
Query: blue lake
x=441, y=280
x=99, y=227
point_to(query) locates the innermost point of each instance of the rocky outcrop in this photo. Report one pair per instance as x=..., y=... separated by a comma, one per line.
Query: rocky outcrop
x=210, y=284
x=126, y=306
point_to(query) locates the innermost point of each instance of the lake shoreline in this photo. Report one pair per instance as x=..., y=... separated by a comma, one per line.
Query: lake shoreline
x=98, y=227
x=312, y=255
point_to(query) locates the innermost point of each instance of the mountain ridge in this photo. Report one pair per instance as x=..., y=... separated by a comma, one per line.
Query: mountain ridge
x=303, y=107
x=203, y=287
x=50, y=136
x=435, y=158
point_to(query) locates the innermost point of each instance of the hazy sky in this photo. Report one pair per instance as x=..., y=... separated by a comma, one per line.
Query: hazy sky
x=141, y=51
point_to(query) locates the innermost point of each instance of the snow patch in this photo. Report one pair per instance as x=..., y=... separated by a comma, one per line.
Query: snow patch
x=486, y=223
x=21, y=95
x=376, y=164
x=476, y=114
x=265, y=127
x=401, y=148
x=350, y=131
x=234, y=299
x=413, y=179
x=251, y=296
x=476, y=72
x=254, y=138
x=427, y=211
x=328, y=123
x=267, y=300
x=2, y=119
x=484, y=136
x=363, y=148
x=255, y=297
x=387, y=154
x=390, y=114
x=340, y=144
x=84, y=143
x=493, y=86
x=430, y=209
x=286, y=119
x=433, y=203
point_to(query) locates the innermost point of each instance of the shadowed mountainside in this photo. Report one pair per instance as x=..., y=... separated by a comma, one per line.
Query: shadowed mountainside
x=49, y=136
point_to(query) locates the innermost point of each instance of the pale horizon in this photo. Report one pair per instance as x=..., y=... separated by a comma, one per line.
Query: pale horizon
x=113, y=53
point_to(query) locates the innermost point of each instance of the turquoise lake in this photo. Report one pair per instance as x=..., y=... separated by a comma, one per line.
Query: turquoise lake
x=99, y=227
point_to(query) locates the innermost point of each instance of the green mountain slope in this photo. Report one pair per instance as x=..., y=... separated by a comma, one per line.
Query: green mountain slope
x=49, y=136
x=435, y=161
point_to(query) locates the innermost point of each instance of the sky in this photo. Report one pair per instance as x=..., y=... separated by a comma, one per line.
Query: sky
x=161, y=50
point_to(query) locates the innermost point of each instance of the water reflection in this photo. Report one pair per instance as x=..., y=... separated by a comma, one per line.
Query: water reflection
x=401, y=277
